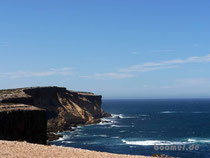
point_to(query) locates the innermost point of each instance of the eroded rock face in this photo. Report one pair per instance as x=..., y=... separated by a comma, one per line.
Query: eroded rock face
x=64, y=108
x=23, y=123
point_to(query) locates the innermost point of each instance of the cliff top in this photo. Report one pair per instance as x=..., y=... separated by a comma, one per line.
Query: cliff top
x=4, y=92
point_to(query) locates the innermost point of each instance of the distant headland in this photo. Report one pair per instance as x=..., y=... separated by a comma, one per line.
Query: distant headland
x=35, y=114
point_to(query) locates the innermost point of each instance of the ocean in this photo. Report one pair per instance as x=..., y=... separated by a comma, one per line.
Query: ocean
x=146, y=127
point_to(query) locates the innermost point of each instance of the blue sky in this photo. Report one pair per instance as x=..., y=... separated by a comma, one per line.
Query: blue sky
x=116, y=48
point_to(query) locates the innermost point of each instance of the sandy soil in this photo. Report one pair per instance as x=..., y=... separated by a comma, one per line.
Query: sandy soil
x=12, y=149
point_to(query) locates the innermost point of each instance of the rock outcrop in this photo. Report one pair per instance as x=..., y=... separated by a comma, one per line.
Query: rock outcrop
x=23, y=122
x=64, y=108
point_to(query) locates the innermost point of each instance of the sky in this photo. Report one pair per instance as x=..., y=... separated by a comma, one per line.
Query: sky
x=120, y=49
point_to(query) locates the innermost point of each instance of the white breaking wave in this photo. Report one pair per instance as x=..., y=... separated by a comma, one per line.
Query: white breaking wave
x=115, y=126
x=115, y=137
x=63, y=138
x=199, y=140
x=119, y=126
x=78, y=130
x=191, y=140
x=204, y=141
x=60, y=139
x=121, y=116
x=152, y=142
x=68, y=142
x=101, y=135
x=168, y=112
x=163, y=142
x=113, y=120
x=117, y=115
x=106, y=121
x=122, y=131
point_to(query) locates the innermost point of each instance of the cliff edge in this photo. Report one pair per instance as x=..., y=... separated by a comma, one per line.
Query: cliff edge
x=64, y=108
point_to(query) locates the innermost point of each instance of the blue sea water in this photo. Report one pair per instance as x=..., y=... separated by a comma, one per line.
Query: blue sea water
x=137, y=125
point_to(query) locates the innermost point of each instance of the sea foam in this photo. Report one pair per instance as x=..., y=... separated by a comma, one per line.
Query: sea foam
x=153, y=142
x=163, y=142
x=121, y=116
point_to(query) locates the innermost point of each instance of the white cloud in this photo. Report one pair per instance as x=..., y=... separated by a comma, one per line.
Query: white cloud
x=51, y=72
x=109, y=76
x=150, y=66
x=146, y=69
x=165, y=64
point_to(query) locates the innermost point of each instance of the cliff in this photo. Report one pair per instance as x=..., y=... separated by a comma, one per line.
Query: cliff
x=64, y=108
x=23, y=122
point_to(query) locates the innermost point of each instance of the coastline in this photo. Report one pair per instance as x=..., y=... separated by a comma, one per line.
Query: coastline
x=13, y=149
x=54, y=109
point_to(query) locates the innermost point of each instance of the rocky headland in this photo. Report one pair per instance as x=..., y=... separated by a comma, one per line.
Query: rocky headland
x=35, y=113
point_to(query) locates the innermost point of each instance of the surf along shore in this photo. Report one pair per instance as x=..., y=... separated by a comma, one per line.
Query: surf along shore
x=32, y=115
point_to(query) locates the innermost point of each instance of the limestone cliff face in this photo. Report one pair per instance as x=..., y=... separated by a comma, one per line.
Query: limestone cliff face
x=64, y=108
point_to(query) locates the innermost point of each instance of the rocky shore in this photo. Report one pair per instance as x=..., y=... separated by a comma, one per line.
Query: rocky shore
x=34, y=115
x=45, y=110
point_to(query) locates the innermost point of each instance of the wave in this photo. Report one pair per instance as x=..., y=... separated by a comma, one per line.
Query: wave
x=163, y=142
x=78, y=130
x=168, y=112
x=198, y=112
x=144, y=115
x=123, y=131
x=115, y=126
x=113, y=119
x=121, y=116
x=68, y=142
x=101, y=135
x=152, y=142
x=106, y=121
x=60, y=139
x=64, y=137
x=119, y=126
x=115, y=137
x=199, y=140
x=191, y=140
